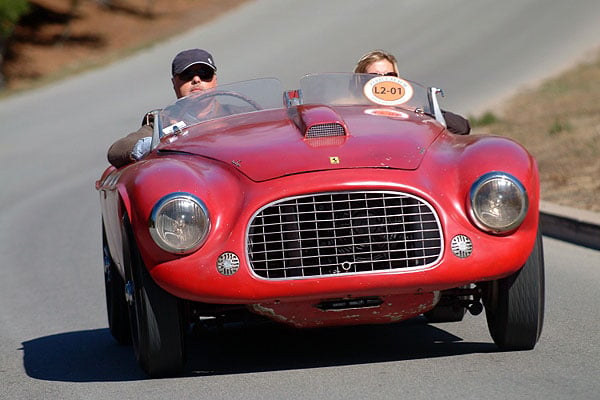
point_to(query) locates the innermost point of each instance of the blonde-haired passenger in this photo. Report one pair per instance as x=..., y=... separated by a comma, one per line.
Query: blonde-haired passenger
x=381, y=62
x=377, y=62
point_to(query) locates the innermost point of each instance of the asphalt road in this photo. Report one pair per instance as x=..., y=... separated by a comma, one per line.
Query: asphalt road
x=54, y=341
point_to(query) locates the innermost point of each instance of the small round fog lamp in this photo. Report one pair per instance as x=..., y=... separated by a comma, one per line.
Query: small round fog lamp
x=228, y=263
x=461, y=246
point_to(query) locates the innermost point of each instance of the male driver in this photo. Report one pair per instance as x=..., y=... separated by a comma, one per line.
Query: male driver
x=192, y=70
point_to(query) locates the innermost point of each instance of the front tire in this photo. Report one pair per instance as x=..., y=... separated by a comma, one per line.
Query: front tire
x=515, y=305
x=116, y=305
x=155, y=322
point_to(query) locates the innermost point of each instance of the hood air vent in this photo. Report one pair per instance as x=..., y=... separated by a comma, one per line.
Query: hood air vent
x=325, y=130
x=317, y=121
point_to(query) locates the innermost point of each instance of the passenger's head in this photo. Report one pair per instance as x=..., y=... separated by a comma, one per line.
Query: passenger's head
x=377, y=62
x=193, y=70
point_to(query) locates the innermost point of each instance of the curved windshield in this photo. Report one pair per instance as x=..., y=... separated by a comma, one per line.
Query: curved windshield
x=222, y=101
x=364, y=89
x=334, y=89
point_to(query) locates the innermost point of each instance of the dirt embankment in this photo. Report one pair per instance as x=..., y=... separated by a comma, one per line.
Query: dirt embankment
x=58, y=37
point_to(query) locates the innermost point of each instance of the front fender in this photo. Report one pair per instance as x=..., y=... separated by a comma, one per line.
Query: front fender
x=212, y=182
x=454, y=163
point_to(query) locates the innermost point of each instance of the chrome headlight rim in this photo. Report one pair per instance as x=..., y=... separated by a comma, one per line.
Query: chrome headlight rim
x=155, y=230
x=475, y=213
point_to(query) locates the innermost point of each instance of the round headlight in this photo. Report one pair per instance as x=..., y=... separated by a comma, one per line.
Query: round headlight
x=499, y=202
x=179, y=223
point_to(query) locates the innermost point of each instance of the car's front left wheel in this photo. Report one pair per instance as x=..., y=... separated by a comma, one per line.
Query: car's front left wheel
x=515, y=305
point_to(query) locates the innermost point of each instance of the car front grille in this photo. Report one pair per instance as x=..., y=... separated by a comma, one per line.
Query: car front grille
x=343, y=233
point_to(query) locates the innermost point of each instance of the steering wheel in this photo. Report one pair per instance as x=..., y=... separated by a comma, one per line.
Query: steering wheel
x=187, y=110
x=215, y=93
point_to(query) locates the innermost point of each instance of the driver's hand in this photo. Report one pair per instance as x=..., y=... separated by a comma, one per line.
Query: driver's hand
x=141, y=148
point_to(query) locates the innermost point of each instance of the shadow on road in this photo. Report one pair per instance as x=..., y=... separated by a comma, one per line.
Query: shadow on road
x=82, y=356
x=93, y=355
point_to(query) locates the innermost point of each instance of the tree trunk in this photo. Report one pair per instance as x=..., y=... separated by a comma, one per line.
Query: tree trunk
x=3, y=42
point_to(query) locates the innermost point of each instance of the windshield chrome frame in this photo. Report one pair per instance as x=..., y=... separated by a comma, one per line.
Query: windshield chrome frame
x=157, y=125
x=439, y=116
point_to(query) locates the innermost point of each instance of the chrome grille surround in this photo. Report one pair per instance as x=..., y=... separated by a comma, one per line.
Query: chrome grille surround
x=357, y=232
x=325, y=130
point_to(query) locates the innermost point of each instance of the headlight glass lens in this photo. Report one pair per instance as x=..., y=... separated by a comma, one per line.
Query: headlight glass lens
x=499, y=202
x=179, y=223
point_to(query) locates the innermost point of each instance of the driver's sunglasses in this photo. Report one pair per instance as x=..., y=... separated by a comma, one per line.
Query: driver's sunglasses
x=204, y=73
x=386, y=74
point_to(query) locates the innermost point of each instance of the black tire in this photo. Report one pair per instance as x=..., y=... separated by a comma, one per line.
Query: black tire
x=155, y=318
x=116, y=305
x=514, y=305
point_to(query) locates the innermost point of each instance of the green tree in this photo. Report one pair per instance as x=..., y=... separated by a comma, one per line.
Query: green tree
x=10, y=13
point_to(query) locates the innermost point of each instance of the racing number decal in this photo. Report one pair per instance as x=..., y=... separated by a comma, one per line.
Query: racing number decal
x=388, y=90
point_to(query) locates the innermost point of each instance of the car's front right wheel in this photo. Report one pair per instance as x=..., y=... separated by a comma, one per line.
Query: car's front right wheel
x=155, y=318
x=514, y=305
x=116, y=306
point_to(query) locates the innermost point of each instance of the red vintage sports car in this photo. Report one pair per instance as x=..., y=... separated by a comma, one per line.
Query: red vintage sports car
x=344, y=202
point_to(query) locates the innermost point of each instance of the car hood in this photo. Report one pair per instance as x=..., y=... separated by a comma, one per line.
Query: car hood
x=274, y=143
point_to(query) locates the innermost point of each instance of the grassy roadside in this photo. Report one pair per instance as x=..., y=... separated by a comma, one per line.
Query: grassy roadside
x=559, y=123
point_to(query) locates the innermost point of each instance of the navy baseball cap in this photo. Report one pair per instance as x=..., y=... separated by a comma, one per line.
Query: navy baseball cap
x=187, y=58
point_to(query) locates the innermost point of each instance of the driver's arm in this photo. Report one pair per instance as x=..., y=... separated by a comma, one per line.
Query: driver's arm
x=120, y=152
